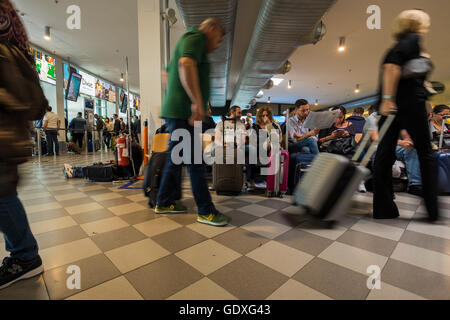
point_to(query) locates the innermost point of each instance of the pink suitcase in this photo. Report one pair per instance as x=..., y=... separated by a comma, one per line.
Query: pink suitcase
x=277, y=184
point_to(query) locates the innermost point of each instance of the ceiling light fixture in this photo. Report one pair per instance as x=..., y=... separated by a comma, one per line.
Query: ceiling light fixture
x=290, y=84
x=317, y=102
x=341, y=44
x=121, y=78
x=357, y=89
x=277, y=81
x=268, y=100
x=260, y=94
x=47, y=33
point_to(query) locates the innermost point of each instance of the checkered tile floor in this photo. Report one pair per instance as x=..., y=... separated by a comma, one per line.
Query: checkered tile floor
x=125, y=251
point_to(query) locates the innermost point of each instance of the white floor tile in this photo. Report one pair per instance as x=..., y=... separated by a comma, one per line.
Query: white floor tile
x=257, y=210
x=104, y=225
x=52, y=225
x=378, y=229
x=352, y=258
x=42, y=207
x=116, y=289
x=294, y=290
x=203, y=289
x=430, y=229
x=389, y=292
x=332, y=234
x=208, y=256
x=423, y=258
x=280, y=257
x=84, y=208
x=209, y=231
x=126, y=208
x=157, y=226
x=266, y=228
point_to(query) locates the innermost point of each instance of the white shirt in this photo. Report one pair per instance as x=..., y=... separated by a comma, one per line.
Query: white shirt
x=52, y=120
x=371, y=123
x=229, y=133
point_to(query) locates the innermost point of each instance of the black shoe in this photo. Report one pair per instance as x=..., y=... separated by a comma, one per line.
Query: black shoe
x=416, y=190
x=13, y=270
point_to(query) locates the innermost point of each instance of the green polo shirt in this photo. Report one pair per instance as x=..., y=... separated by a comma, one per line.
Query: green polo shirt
x=177, y=104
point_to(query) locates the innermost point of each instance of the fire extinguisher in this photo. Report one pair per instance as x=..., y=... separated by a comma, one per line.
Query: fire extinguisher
x=123, y=158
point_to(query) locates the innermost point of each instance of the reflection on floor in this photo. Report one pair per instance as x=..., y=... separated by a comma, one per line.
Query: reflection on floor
x=125, y=251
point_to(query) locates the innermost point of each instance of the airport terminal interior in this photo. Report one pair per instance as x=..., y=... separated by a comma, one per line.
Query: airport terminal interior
x=274, y=53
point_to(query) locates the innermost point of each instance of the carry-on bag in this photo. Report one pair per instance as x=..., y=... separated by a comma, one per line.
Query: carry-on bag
x=298, y=164
x=277, y=184
x=153, y=175
x=325, y=191
x=228, y=178
x=443, y=160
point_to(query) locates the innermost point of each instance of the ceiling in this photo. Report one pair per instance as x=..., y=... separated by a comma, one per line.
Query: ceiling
x=109, y=32
x=320, y=72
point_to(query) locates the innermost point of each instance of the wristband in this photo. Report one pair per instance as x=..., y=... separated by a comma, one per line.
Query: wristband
x=388, y=97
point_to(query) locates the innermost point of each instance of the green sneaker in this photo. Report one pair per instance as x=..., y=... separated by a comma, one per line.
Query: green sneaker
x=217, y=220
x=175, y=208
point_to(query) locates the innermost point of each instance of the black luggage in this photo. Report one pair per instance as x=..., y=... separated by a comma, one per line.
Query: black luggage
x=228, y=178
x=100, y=173
x=152, y=178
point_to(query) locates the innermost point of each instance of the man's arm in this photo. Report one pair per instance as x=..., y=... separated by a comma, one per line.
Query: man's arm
x=45, y=125
x=188, y=71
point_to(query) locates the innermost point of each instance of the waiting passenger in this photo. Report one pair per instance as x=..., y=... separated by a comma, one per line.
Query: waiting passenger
x=78, y=126
x=436, y=122
x=357, y=119
x=302, y=139
x=240, y=134
x=341, y=129
x=404, y=151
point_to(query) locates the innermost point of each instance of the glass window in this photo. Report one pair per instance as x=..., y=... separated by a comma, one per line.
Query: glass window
x=50, y=93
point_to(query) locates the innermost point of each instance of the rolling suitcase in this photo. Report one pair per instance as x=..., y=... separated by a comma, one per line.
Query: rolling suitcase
x=325, y=191
x=298, y=164
x=228, y=178
x=277, y=184
x=152, y=178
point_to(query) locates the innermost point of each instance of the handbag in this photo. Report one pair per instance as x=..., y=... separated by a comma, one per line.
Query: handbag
x=21, y=101
x=343, y=146
x=417, y=67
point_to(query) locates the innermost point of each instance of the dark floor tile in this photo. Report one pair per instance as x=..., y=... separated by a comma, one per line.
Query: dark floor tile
x=425, y=283
x=114, y=202
x=92, y=216
x=47, y=215
x=179, y=239
x=290, y=220
x=274, y=204
x=240, y=218
x=117, y=238
x=247, y=279
x=368, y=242
x=334, y=281
x=426, y=241
x=58, y=237
x=304, y=241
x=138, y=217
x=93, y=271
x=163, y=278
x=241, y=240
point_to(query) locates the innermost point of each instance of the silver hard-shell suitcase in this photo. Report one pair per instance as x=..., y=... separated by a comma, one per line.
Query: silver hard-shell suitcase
x=325, y=191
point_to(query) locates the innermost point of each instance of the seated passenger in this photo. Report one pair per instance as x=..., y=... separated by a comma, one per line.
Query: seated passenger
x=302, y=139
x=340, y=129
x=263, y=129
x=357, y=119
x=235, y=114
x=404, y=152
x=436, y=122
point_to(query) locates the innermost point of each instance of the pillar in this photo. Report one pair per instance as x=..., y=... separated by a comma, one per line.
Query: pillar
x=150, y=63
x=60, y=102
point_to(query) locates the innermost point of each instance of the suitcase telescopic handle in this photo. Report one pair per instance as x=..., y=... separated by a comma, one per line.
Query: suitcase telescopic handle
x=387, y=124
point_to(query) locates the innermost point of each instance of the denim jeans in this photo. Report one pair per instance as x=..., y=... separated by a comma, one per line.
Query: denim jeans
x=52, y=139
x=196, y=172
x=14, y=225
x=411, y=160
x=309, y=143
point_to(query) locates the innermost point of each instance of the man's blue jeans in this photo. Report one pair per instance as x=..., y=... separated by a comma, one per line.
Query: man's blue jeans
x=411, y=160
x=309, y=143
x=196, y=172
x=14, y=225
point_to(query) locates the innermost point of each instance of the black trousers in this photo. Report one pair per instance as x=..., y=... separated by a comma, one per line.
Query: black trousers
x=52, y=142
x=413, y=118
x=78, y=138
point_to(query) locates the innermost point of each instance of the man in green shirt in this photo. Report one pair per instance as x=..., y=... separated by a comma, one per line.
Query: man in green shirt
x=185, y=103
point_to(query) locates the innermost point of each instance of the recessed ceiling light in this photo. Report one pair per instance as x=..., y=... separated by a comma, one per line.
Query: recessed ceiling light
x=47, y=33
x=268, y=100
x=121, y=78
x=277, y=81
x=357, y=90
x=341, y=47
x=260, y=94
x=290, y=84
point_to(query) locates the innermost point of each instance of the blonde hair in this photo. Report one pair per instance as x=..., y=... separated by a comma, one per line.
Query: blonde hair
x=213, y=23
x=410, y=21
x=259, y=115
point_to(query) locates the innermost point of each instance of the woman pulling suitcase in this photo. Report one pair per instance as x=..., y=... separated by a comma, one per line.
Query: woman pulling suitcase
x=404, y=71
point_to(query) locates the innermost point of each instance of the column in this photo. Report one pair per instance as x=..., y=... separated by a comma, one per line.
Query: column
x=150, y=63
x=60, y=102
